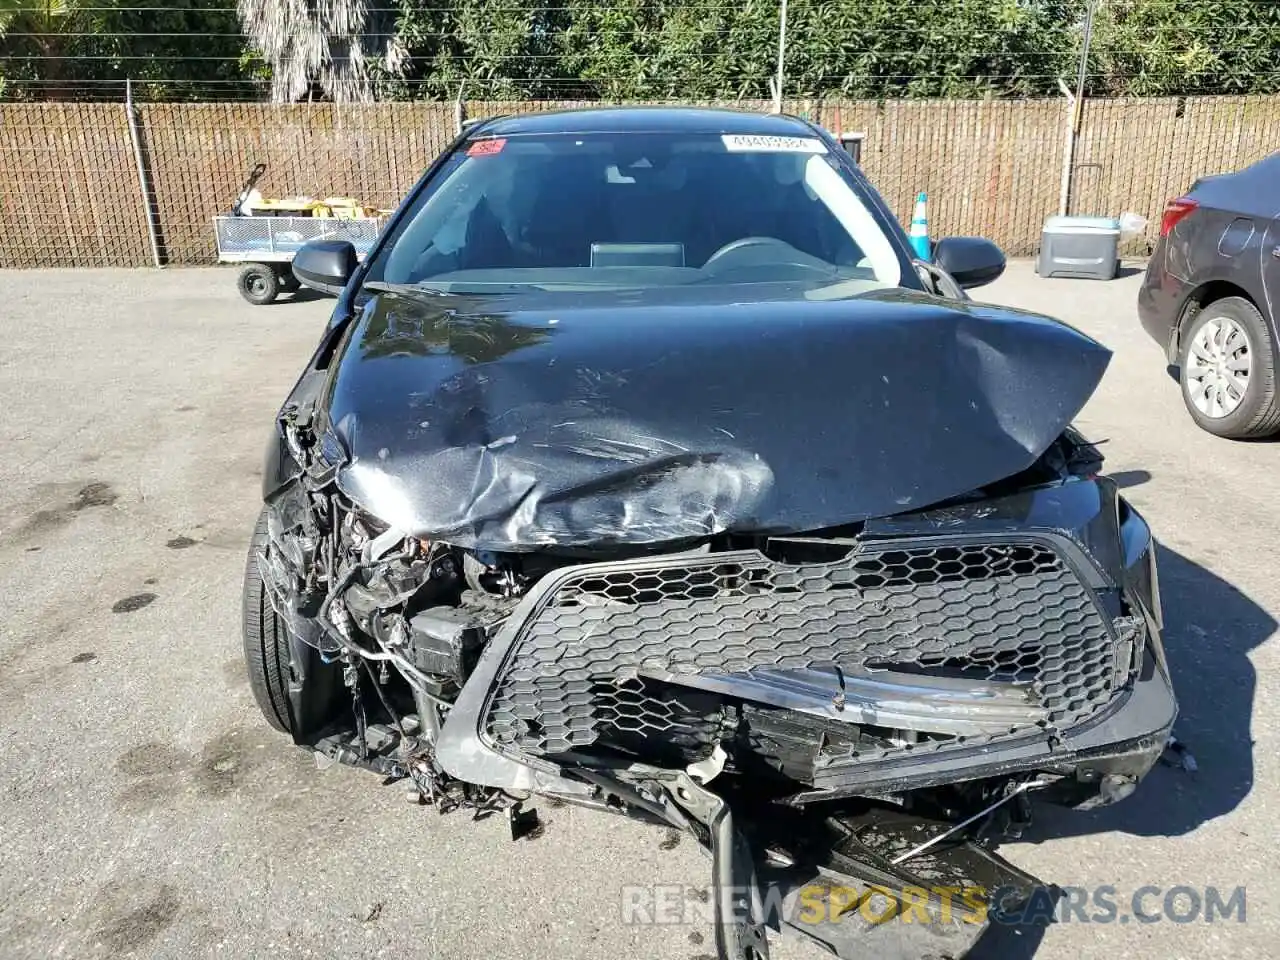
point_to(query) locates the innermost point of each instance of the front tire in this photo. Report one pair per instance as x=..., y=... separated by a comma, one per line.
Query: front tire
x=298, y=692
x=1227, y=371
x=266, y=641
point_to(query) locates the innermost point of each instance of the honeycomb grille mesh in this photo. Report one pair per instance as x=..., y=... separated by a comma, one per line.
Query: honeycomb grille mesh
x=1013, y=613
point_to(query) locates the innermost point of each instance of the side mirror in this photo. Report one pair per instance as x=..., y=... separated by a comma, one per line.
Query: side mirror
x=971, y=261
x=325, y=265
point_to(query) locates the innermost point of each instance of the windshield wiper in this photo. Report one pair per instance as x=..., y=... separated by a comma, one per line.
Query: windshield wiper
x=380, y=286
x=448, y=288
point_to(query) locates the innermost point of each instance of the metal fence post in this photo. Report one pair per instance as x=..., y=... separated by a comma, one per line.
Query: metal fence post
x=1068, y=149
x=459, y=111
x=148, y=208
x=782, y=55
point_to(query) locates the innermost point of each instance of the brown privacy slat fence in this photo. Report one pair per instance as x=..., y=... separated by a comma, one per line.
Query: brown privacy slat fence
x=200, y=155
x=69, y=189
x=70, y=193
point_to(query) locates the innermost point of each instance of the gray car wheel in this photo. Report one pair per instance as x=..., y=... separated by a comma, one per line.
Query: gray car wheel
x=1228, y=371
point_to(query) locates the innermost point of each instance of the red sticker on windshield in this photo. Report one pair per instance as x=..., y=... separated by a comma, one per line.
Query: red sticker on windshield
x=486, y=148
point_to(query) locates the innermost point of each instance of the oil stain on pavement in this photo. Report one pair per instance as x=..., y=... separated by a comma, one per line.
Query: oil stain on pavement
x=129, y=921
x=132, y=603
x=86, y=496
x=159, y=772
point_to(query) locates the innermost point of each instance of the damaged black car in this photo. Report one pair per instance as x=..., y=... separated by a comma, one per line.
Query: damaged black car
x=642, y=467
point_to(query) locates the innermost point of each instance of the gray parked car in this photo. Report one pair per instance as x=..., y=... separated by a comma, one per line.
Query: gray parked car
x=1209, y=298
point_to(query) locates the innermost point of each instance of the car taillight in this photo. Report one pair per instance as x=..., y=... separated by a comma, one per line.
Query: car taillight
x=1174, y=211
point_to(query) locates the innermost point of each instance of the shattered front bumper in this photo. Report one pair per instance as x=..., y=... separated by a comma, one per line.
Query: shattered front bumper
x=1012, y=642
x=936, y=648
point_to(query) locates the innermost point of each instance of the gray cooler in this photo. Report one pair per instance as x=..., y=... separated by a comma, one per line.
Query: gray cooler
x=1080, y=247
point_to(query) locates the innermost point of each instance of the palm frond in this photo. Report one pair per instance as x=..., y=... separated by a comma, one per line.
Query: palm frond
x=335, y=43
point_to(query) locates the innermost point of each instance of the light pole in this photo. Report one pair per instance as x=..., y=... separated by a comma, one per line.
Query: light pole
x=1084, y=51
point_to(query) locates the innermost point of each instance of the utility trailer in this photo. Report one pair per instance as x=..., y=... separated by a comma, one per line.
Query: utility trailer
x=265, y=235
x=266, y=246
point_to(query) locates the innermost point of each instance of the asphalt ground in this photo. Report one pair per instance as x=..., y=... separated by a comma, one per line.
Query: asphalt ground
x=147, y=810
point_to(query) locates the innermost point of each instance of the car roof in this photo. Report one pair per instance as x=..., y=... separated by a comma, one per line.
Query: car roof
x=646, y=120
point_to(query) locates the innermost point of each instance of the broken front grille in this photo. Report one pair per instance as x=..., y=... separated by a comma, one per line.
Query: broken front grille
x=950, y=642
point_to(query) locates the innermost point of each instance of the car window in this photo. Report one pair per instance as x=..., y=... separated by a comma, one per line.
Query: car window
x=638, y=210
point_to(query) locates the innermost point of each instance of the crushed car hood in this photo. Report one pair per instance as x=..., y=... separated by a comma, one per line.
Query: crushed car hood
x=514, y=423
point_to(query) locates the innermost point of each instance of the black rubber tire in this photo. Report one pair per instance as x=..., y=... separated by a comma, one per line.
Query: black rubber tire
x=266, y=641
x=258, y=283
x=288, y=282
x=1259, y=412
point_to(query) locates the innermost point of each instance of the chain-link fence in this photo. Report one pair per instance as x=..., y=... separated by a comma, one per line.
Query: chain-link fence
x=77, y=187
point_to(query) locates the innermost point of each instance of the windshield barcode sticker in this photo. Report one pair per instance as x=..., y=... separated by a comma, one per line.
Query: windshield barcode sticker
x=742, y=143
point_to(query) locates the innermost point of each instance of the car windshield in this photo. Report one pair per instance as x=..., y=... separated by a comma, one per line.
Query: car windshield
x=622, y=211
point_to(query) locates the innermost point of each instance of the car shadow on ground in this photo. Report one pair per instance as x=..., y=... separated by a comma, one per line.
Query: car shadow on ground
x=1124, y=479
x=1009, y=942
x=1210, y=629
x=302, y=295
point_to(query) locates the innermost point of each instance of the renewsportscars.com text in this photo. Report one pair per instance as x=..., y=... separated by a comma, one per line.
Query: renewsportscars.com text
x=828, y=903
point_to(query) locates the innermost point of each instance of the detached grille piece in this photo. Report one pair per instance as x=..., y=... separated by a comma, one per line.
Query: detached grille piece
x=976, y=639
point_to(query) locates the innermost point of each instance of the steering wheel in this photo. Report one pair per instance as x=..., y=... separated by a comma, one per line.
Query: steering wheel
x=744, y=243
x=762, y=253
